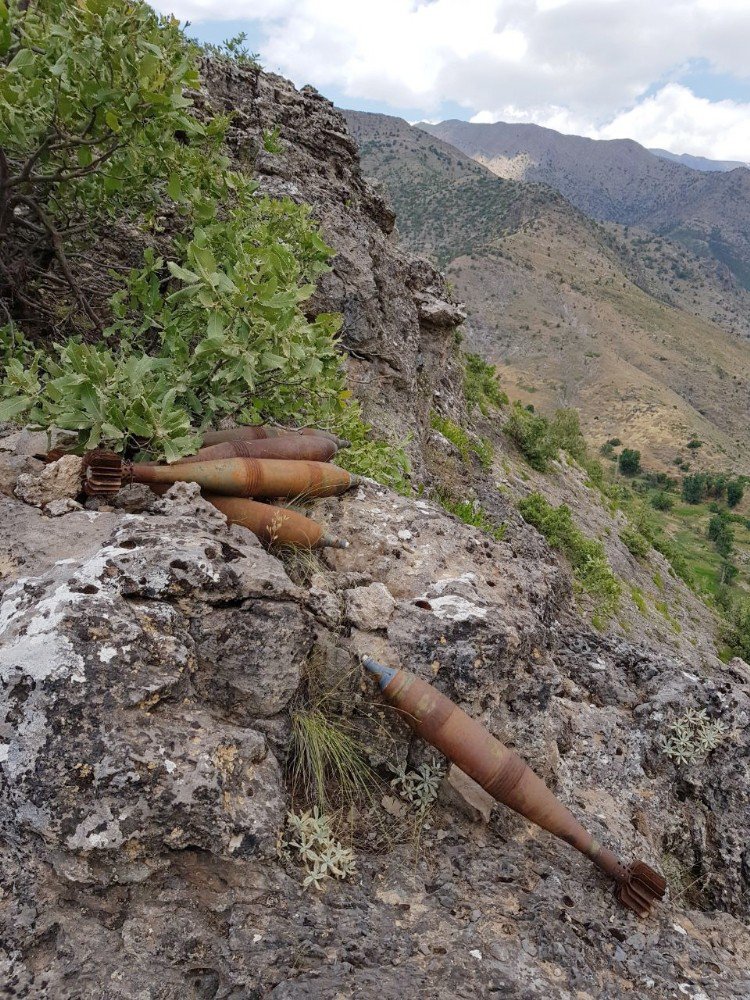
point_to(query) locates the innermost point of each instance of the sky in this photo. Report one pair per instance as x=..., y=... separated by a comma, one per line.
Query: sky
x=673, y=74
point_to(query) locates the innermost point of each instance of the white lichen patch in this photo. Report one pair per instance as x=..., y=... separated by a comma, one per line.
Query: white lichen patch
x=453, y=608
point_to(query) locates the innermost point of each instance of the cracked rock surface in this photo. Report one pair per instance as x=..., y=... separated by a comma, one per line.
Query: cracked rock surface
x=146, y=684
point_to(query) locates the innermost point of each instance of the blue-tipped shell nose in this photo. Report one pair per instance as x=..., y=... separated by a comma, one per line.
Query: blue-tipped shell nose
x=384, y=674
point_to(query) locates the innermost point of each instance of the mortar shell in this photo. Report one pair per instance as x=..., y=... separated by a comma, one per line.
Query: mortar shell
x=502, y=773
x=261, y=432
x=292, y=446
x=253, y=477
x=273, y=525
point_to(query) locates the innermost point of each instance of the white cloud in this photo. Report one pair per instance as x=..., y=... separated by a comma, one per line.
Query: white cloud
x=576, y=65
x=675, y=118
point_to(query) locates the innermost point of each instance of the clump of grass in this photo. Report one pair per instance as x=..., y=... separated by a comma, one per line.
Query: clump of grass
x=591, y=570
x=471, y=512
x=480, y=385
x=635, y=542
x=639, y=600
x=466, y=443
x=324, y=756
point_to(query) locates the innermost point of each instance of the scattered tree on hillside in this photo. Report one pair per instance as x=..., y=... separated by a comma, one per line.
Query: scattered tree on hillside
x=735, y=492
x=629, y=462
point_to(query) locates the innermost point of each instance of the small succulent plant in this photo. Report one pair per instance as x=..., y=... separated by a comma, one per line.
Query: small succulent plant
x=692, y=736
x=419, y=787
x=309, y=834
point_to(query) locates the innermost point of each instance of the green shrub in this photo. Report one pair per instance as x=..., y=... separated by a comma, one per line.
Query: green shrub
x=629, y=462
x=736, y=629
x=470, y=512
x=466, y=443
x=735, y=492
x=587, y=557
x=662, y=501
x=635, y=542
x=674, y=557
x=693, y=489
x=480, y=385
x=531, y=435
x=565, y=430
x=92, y=96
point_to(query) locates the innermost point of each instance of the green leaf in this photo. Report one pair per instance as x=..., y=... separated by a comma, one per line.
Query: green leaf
x=10, y=408
x=22, y=60
x=174, y=187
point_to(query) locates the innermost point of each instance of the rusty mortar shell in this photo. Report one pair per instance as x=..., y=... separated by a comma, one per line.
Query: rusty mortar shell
x=275, y=525
x=103, y=473
x=502, y=773
x=291, y=446
x=260, y=432
x=253, y=477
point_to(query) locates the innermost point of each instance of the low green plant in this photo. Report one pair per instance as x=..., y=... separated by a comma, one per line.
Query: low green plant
x=692, y=737
x=736, y=629
x=310, y=837
x=419, y=787
x=324, y=756
x=662, y=501
x=565, y=430
x=470, y=512
x=531, y=435
x=591, y=569
x=467, y=444
x=480, y=385
x=635, y=542
x=639, y=600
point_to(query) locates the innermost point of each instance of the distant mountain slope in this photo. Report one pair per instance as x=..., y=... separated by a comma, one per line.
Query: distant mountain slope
x=620, y=181
x=574, y=314
x=699, y=162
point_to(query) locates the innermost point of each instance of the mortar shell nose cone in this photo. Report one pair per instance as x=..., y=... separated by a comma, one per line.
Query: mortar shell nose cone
x=328, y=541
x=343, y=443
x=384, y=674
x=355, y=480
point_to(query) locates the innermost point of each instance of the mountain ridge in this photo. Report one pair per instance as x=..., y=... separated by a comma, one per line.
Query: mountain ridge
x=620, y=181
x=574, y=312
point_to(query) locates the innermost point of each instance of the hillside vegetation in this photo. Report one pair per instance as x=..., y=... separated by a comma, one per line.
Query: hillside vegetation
x=574, y=314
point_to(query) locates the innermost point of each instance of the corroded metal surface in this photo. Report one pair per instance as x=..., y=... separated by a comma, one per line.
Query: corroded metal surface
x=291, y=446
x=104, y=473
x=253, y=477
x=503, y=774
x=274, y=525
x=261, y=432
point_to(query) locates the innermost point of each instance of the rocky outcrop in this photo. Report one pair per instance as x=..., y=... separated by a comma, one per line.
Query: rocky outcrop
x=398, y=322
x=145, y=683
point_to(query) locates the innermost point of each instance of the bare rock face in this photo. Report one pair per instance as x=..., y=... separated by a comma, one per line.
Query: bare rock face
x=145, y=683
x=60, y=480
x=398, y=321
x=369, y=608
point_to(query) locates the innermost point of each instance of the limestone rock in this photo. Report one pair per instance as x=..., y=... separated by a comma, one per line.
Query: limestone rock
x=250, y=658
x=461, y=791
x=369, y=608
x=65, y=505
x=57, y=481
x=12, y=466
